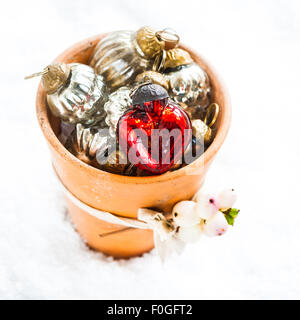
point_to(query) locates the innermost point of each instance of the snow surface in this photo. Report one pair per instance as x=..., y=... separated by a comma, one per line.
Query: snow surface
x=255, y=46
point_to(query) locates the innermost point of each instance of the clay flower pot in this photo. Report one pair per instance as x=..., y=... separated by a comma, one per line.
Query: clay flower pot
x=123, y=195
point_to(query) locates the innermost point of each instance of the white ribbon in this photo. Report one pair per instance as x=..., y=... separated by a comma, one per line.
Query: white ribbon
x=165, y=240
x=164, y=234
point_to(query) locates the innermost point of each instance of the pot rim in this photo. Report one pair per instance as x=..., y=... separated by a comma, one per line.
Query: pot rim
x=205, y=158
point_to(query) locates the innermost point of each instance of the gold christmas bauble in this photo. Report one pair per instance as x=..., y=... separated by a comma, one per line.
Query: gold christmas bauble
x=201, y=131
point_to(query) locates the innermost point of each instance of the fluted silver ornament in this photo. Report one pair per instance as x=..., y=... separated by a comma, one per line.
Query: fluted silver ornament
x=117, y=104
x=87, y=142
x=189, y=84
x=81, y=98
x=121, y=55
x=118, y=58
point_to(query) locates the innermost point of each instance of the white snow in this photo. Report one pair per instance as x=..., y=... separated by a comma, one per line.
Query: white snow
x=255, y=46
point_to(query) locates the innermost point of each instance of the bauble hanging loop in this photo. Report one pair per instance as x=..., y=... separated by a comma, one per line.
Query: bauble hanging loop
x=168, y=37
x=211, y=114
x=159, y=61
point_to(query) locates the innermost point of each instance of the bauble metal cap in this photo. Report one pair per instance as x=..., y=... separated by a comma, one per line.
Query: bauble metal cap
x=149, y=92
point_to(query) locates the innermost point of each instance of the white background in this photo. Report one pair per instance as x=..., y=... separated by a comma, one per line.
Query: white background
x=255, y=46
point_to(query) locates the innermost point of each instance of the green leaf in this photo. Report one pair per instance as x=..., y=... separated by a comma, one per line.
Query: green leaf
x=229, y=219
x=234, y=212
x=230, y=215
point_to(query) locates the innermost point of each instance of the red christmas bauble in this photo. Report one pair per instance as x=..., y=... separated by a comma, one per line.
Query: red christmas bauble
x=154, y=132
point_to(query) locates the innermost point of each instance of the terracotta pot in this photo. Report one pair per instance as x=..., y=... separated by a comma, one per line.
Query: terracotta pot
x=118, y=194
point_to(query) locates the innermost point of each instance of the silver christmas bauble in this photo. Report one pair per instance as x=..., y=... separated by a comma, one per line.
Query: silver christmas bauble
x=189, y=84
x=121, y=55
x=118, y=58
x=88, y=142
x=117, y=104
x=80, y=98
